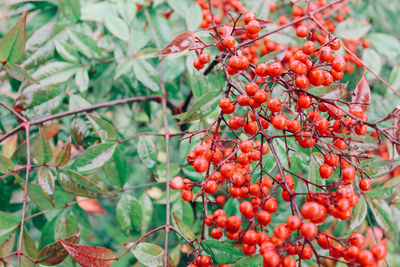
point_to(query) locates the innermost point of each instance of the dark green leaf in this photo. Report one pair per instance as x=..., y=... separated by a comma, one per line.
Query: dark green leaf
x=29, y=248
x=19, y=73
x=65, y=225
x=47, y=184
x=102, y=128
x=222, y=253
x=12, y=45
x=147, y=151
x=54, y=253
x=94, y=157
x=202, y=107
x=8, y=223
x=42, y=151
x=117, y=169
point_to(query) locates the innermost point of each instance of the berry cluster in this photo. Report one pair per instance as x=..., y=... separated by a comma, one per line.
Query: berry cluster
x=277, y=91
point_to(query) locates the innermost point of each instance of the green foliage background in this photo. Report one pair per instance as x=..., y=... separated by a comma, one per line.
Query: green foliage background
x=88, y=52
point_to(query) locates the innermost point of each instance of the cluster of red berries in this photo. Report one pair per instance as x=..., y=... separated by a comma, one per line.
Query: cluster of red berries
x=313, y=122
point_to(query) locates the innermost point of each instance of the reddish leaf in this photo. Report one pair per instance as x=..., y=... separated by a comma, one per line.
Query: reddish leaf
x=89, y=256
x=180, y=43
x=362, y=94
x=55, y=253
x=90, y=205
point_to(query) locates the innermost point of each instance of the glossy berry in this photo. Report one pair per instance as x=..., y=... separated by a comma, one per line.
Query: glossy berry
x=365, y=184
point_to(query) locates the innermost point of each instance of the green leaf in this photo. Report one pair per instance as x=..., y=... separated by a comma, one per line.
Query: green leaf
x=29, y=248
x=66, y=51
x=184, y=229
x=351, y=29
x=55, y=253
x=150, y=255
x=47, y=184
x=383, y=216
x=143, y=76
x=102, y=128
x=117, y=27
x=78, y=184
x=85, y=44
x=70, y=9
x=147, y=151
x=12, y=45
x=378, y=167
x=148, y=209
x=386, y=44
x=129, y=214
x=117, y=169
x=179, y=6
x=373, y=60
x=65, y=225
x=202, y=107
x=42, y=151
x=359, y=215
x=256, y=260
x=82, y=80
x=19, y=73
x=313, y=175
x=184, y=210
x=94, y=157
x=6, y=165
x=8, y=224
x=381, y=193
x=273, y=56
x=222, y=253
x=64, y=154
x=332, y=91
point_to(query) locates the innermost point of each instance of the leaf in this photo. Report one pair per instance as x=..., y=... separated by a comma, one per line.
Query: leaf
x=29, y=248
x=149, y=254
x=221, y=252
x=313, y=174
x=381, y=193
x=273, y=56
x=117, y=169
x=206, y=104
x=184, y=229
x=12, y=45
x=102, y=128
x=64, y=154
x=256, y=260
x=117, y=27
x=78, y=184
x=180, y=43
x=85, y=44
x=6, y=165
x=66, y=51
x=42, y=151
x=89, y=256
x=94, y=157
x=359, y=215
x=70, y=9
x=351, y=29
x=47, y=184
x=179, y=6
x=66, y=224
x=90, y=205
x=19, y=73
x=362, y=94
x=332, y=91
x=8, y=223
x=129, y=214
x=383, y=216
x=147, y=211
x=82, y=80
x=55, y=253
x=147, y=151
x=378, y=167
x=373, y=60
x=386, y=44
x=143, y=76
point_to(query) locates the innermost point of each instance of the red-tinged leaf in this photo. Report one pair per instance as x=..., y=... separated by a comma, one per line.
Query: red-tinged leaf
x=90, y=205
x=89, y=256
x=55, y=253
x=180, y=43
x=19, y=73
x=362, y=94
x=12, y=45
